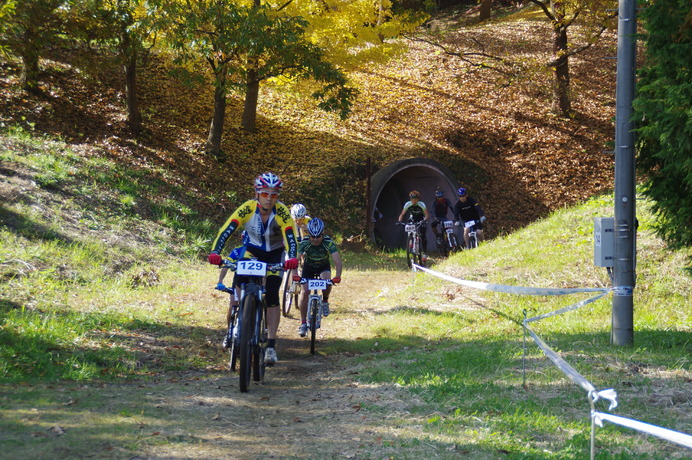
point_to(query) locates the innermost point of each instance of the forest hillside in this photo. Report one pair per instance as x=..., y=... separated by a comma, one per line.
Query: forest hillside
x=498, y=135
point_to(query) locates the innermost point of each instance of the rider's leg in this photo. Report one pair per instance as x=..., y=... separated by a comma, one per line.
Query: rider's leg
x=479, y=234
x=304, y=303
x=273, y=284
x=424, y=238
x=467, y=230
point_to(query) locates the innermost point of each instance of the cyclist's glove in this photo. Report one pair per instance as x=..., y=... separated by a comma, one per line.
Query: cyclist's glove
x=291, y=264
x=215, y=259
x=456, y=224
x=483, y=219
x=336, y=280
x=221, y=287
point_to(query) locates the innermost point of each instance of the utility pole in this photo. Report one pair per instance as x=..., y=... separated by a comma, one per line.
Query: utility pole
x=624, y=249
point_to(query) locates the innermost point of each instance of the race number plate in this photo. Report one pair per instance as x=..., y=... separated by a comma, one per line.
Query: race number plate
x=469, y=223
x=317, y=284
x=410, y=228
x=449, y=224
x=251, y=268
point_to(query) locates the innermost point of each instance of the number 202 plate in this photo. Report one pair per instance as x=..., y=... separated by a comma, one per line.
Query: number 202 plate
x=319, y=285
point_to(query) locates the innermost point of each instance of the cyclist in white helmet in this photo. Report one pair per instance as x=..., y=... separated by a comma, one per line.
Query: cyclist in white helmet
x=270, y=230
x=299, y=214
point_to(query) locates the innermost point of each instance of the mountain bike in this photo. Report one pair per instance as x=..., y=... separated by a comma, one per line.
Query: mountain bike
x=314, y=314
x=291, y=290
x=251, y=319
x=414, y=254
x=447, y=241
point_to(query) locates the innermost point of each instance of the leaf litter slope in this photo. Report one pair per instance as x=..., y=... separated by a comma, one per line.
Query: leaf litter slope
x=498, y=136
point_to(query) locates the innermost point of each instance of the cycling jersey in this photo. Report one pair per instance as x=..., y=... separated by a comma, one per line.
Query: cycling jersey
x=317, y=255
x=468, y=210
x=262, y=237
x=440, y=207
x=302, y=227
x=417, y=210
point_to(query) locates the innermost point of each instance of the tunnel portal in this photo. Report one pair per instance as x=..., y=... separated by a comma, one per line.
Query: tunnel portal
x=390, y=187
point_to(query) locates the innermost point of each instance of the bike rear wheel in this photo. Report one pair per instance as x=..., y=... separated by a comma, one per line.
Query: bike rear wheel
x=313, y=312
x=245, y=348
x=288, y=296
x=234, y=342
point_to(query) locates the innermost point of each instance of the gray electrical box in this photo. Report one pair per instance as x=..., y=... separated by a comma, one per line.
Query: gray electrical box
x=603, y=241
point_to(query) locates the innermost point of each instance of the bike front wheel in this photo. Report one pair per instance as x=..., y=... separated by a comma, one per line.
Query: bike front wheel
x=453, y=243
x=442, y=247
x=473, y=241
x=245, y=347
x=258, y=365
x=313, y=311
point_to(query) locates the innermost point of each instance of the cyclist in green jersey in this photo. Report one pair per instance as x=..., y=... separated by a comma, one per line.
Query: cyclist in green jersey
x=419, y=212
x=315, y=253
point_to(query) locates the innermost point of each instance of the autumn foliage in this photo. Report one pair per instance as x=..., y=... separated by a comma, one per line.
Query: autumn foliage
x=499, y=137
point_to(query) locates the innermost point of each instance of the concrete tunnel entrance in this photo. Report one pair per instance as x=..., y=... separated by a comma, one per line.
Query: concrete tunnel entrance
x=389, y=191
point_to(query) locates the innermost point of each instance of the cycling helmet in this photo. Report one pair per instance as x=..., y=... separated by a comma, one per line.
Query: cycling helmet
x=268, y=180
x=414, y=194
x=461, y=191
x=315, y=227
x=439, y=193
x=298, y=211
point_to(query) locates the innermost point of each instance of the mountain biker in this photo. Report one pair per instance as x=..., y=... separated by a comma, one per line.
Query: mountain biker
x=315, y=253
x=419, y=213
x=299, y=214
x=270, y=229
x=439, y=208
x=467, y=208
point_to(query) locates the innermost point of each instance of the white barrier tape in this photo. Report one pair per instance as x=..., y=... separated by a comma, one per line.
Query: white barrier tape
x=509, y=289
x=566, y=309
x=568, y=370
x=609, y=394
x=664, y=433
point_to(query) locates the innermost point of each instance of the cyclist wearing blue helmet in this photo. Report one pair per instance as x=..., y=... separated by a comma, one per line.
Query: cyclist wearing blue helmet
x=315, y=253
x=466, y=209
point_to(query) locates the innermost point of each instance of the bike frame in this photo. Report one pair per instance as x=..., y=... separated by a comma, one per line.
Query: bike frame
x=314, y=313
x=254, y=274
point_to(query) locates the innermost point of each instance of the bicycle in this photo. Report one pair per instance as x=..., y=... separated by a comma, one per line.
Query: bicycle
x=291, y=291
x=447, y=241
x=251, y=319
x=314, y=314
x=413, y=249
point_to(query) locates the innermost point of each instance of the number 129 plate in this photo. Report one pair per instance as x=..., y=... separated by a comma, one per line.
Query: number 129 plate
x=319, y=285
x=251, y=268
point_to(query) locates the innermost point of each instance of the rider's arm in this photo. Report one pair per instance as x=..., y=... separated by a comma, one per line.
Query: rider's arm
x=233, y=222
x=337, y=263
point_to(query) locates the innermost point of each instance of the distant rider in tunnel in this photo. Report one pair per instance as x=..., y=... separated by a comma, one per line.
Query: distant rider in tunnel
x=419, y=212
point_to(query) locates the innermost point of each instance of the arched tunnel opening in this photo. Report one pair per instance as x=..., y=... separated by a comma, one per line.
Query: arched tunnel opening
x=389, y=190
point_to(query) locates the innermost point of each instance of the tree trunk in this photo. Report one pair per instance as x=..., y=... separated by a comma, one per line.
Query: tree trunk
x=28, y=78
x=213, y=144
x=249, y=119
x=485, y=10
x=134, y=116
x=562, y=102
